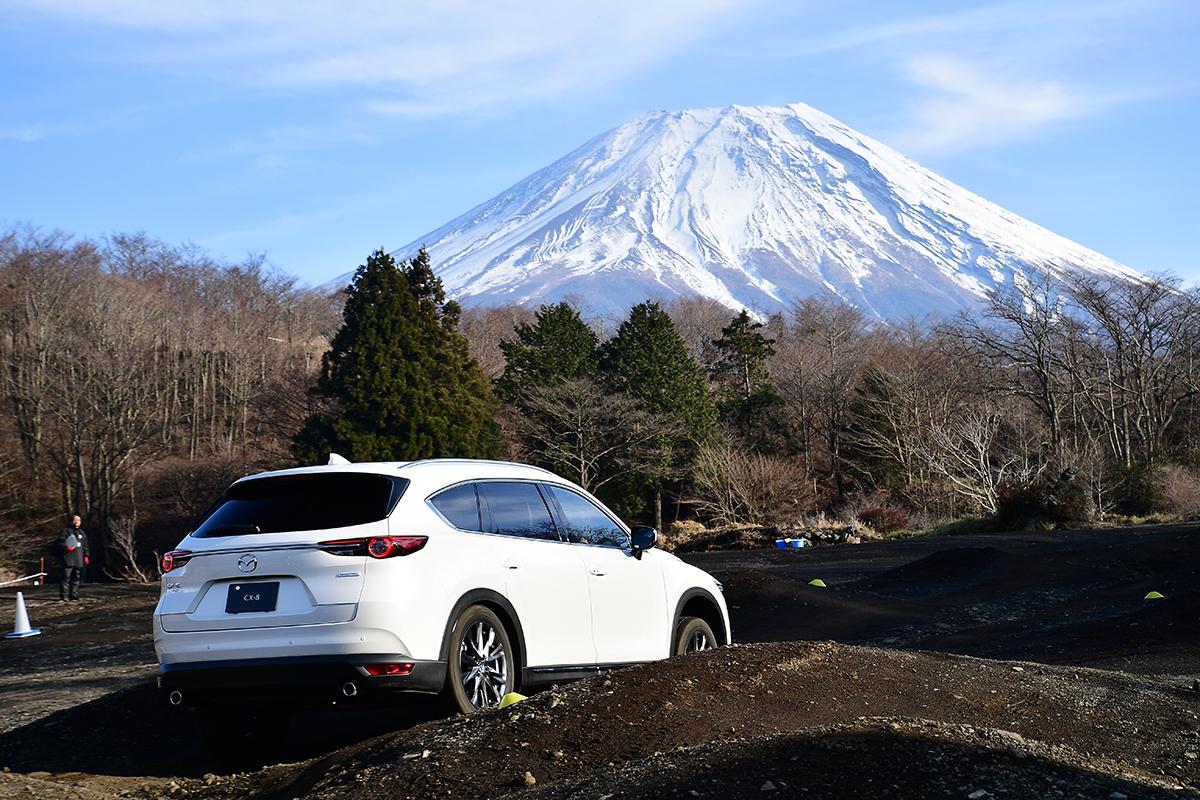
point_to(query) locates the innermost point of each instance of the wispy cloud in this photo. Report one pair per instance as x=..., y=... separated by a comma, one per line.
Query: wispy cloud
x=969, y=107
x=1066, y=22
x=25, y=134
x=416, y=57
x=1003, y=72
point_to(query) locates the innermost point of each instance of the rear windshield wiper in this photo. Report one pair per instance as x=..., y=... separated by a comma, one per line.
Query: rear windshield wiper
x=232, y=530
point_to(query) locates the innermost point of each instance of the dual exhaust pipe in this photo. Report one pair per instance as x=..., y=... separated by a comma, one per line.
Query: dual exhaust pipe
x=175, y=696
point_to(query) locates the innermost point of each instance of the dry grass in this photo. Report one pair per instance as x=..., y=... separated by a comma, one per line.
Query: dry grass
x=1180, y=490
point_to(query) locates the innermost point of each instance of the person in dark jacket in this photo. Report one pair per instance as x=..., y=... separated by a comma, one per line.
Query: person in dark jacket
x=72, y=549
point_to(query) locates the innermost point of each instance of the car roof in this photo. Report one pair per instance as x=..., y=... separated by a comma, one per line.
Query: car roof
x=431, y=470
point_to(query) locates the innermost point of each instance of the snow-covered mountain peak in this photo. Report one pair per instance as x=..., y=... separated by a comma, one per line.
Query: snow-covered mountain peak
x=752, y=206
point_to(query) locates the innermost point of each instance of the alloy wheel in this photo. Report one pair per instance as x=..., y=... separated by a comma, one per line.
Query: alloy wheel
x=483, y=665
x=698, y=641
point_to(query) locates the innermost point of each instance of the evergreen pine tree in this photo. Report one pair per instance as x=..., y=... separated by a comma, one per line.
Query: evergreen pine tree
x=400, y=378
x=557, y=347
x=746, y=393
x=649, y=361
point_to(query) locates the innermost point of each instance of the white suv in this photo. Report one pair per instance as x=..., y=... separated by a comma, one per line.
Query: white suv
x=475, y=578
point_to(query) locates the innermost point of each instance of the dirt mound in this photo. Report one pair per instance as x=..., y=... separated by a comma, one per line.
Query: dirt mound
x=907, y=759
x=1098, y=719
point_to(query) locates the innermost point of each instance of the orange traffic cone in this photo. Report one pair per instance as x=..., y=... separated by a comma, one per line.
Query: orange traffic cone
x=22, y=629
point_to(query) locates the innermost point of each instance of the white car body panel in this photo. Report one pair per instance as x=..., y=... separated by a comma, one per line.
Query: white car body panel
x=332, y=605
x=630, y=618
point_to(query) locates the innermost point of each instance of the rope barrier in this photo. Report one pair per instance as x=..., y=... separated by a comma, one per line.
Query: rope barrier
x=26, y=578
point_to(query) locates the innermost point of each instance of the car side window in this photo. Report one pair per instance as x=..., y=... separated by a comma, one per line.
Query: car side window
x=586, y=522
x=459, y=506
x=517, y=509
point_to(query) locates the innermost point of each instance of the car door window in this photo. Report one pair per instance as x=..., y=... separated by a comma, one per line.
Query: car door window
x=459, y=506
x=517, y=509
x=586, y=522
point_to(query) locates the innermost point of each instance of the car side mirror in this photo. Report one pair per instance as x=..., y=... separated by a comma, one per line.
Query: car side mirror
x=643, y=538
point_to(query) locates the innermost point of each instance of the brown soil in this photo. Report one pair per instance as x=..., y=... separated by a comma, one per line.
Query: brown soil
x=795, y=719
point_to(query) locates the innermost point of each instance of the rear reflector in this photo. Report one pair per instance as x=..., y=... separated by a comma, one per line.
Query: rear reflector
x=376, y=670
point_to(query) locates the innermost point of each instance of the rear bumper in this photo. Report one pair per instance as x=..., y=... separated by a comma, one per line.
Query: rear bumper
x=297, y=679
x=370, y=633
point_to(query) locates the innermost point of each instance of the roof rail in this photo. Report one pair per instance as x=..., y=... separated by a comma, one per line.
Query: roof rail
x=474, y=461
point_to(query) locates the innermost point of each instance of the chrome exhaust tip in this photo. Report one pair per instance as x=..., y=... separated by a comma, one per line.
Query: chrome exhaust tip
x=349, y=689
x=175, y=698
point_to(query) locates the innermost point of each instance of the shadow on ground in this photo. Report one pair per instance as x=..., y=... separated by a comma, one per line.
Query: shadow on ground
x=132, y=732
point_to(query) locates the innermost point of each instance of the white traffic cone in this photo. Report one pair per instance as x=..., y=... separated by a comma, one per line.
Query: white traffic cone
x=22, y=629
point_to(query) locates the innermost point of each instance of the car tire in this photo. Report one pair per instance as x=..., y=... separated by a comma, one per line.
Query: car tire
x=482, y=663
x=692, y=635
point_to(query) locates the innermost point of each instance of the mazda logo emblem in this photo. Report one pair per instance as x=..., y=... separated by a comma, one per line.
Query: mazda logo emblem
x=247, y=563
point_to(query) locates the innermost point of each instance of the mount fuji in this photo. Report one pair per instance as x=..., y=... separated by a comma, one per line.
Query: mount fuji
x=754, y=207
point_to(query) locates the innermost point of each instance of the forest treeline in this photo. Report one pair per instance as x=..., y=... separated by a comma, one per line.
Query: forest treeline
x=140, y=378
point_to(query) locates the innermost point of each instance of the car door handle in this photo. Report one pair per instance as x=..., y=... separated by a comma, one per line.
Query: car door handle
x=597, y=572
x=512, y=566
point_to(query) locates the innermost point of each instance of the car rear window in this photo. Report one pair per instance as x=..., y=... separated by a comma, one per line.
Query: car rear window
x=310, y=502
x=459, y=506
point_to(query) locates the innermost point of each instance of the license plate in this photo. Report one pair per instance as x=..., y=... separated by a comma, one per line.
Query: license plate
x=245, y=597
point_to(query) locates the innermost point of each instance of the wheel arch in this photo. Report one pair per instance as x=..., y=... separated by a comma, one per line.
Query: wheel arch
x=503, y=609
x=697, y=602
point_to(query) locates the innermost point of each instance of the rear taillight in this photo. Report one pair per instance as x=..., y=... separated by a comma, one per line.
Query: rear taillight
x=375, y=670
x=345, y=547
x=175, y=559
x=376, y=546
x=388, y=546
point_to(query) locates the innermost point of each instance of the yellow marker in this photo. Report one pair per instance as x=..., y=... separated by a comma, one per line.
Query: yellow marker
x=1153, y=596
x=511, y=699
x=817, y=582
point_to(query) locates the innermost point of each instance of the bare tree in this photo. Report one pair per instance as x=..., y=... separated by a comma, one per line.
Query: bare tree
x=1133, y=359
x=485, y=328
x=122, y=545
x=41, y=274
x=737, y=486
x=116, y=356
x=699, y=322
x=1021, y=337
x=979, y=450
x=590, y=435
x=816, y=368
x=913, y=381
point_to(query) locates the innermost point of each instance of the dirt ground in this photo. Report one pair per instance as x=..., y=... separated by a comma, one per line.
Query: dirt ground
x=1054, y=679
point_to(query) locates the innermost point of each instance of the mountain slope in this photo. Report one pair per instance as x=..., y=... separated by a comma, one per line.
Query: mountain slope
x=751, y=206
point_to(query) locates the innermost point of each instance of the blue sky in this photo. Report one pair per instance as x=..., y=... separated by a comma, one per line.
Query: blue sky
x=315, y=132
